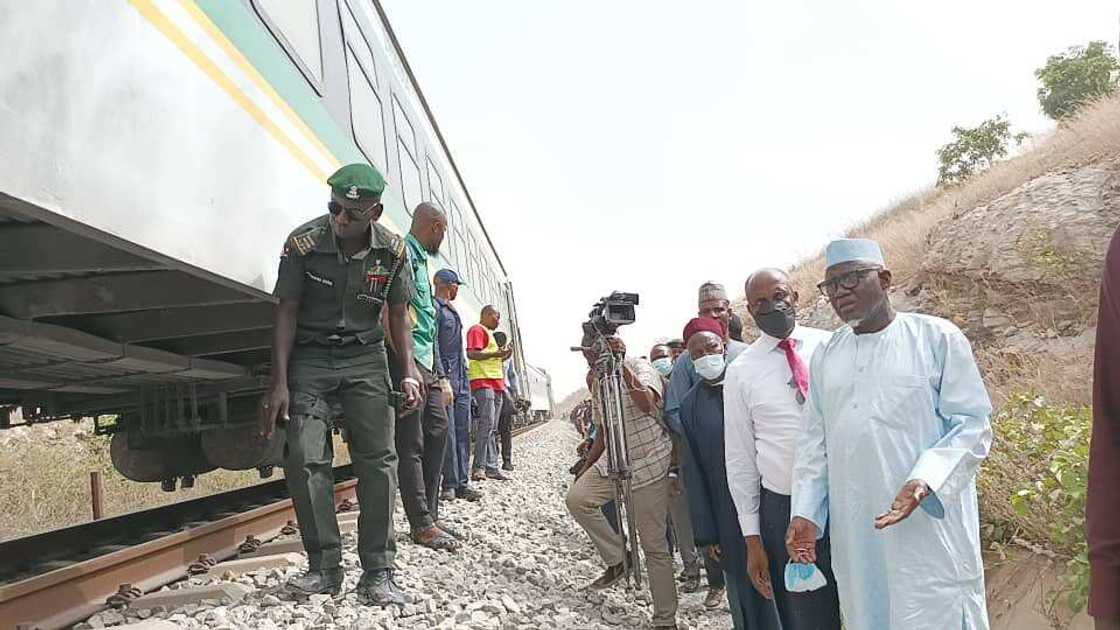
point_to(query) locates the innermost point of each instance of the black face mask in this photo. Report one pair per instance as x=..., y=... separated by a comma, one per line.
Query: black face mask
x=778, y=321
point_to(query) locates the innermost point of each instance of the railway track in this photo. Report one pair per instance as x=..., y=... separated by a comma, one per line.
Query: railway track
x=61, y=577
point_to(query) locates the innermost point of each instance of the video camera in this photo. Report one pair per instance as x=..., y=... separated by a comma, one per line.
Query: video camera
x=610, y=312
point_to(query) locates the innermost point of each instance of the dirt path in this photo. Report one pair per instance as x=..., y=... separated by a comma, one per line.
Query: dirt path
x=1017, y=587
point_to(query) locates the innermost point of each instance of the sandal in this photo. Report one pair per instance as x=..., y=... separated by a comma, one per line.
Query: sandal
x=440, y=540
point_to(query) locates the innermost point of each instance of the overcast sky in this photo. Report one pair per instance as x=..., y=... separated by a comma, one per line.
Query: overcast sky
x=649, y=146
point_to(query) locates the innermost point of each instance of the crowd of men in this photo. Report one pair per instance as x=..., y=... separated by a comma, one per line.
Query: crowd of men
x=818, y=475
x=361, y=329
x=826, y=474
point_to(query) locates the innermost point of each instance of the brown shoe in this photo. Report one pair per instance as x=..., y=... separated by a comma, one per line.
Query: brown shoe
x=609, y=578
x=478, y=475
x=496, y=476
x=435, y=538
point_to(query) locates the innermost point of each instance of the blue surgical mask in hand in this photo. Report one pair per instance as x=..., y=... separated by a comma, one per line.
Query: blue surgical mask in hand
x=802, y=578
x=664, y=366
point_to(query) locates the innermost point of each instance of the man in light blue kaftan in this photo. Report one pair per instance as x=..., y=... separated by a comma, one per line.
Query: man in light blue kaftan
x=895, y=401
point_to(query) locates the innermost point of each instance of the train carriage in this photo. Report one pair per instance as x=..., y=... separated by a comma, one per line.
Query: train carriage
x=155, y=155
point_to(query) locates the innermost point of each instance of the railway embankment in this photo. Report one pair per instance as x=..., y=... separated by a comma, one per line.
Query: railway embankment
x=522, y=566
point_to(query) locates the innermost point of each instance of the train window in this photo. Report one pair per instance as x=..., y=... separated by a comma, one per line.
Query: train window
x=404, y=128
x=458, y=228
x=435, y=183
x=366, y=114
x=472, y=263
x=457, y=217
x=476, y=265
x=410, y=178
x=295, y=24
x=358, y=44
x=406, y=155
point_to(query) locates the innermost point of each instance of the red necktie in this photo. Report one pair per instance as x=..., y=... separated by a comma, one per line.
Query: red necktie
x=796, y=367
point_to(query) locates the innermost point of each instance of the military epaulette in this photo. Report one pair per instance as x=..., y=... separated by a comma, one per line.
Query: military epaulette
x=303, y=242
x=396, y=245
x=389, y=240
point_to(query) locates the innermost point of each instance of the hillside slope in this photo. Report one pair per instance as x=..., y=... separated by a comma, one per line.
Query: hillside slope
x=1013, y=257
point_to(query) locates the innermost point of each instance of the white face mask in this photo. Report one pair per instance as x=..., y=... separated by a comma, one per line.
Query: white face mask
x=664, y=366
x=709, y=366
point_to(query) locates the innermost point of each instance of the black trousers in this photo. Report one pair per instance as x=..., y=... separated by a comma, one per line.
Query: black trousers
x=815, y=610
x=421, y=438
x=505, y=428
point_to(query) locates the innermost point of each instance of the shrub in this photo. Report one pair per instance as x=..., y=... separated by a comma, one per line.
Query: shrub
x=1080, y=75
x=1054, y=439
x=974, y=149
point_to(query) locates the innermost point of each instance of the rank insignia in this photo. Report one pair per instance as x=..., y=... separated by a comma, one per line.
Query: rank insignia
x=303, y=243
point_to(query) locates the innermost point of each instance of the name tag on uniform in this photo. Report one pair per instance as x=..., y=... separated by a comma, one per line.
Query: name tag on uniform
x=327, y=282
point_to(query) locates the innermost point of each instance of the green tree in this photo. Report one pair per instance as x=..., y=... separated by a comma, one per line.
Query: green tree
x=974, y=149
x=1075, y=77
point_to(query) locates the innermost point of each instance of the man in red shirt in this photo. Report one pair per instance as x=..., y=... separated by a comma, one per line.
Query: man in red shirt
x=487, y=384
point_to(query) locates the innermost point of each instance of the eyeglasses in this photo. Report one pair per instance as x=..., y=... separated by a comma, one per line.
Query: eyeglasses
x=354, y=214
x=849, y=281
x=765, y=306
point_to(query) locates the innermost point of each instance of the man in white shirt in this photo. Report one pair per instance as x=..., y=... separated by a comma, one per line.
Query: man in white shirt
x=764, y=392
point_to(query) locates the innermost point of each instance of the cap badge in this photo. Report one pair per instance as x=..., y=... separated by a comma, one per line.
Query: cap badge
x=352, y=193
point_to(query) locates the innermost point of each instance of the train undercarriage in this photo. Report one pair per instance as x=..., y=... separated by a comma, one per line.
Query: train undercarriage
x=169, y=360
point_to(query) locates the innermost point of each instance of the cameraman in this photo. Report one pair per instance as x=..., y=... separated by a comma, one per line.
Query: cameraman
x=649, y=451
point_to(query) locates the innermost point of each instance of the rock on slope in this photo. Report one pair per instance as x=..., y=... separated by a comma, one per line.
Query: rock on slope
x=1020, y=276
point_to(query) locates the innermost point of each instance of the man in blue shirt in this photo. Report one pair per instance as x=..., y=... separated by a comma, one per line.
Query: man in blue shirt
x=712, y=304
x=715, y=521
x=449, y=337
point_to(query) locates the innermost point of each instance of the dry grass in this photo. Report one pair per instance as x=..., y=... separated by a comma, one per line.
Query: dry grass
x=46, y=483
x=902, y=229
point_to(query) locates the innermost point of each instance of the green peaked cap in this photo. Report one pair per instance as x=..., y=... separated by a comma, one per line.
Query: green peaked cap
x=357, y=181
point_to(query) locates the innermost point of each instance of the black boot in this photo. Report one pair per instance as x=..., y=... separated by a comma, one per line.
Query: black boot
x=379, y=588
x=323, y=581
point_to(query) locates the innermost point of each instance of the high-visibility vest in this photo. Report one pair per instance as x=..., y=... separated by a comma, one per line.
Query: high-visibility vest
x=488, y=369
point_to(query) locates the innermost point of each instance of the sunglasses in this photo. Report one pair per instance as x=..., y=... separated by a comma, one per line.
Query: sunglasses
x=354, y=214
x=848, y=281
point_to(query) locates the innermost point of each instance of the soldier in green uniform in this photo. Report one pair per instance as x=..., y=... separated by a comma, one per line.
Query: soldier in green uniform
x=337, y=273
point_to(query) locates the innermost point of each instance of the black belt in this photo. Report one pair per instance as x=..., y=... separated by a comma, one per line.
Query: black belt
x=340, y=340
x=327, y=341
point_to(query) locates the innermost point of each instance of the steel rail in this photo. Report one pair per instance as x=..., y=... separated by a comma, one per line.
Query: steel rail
x=70, y=594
